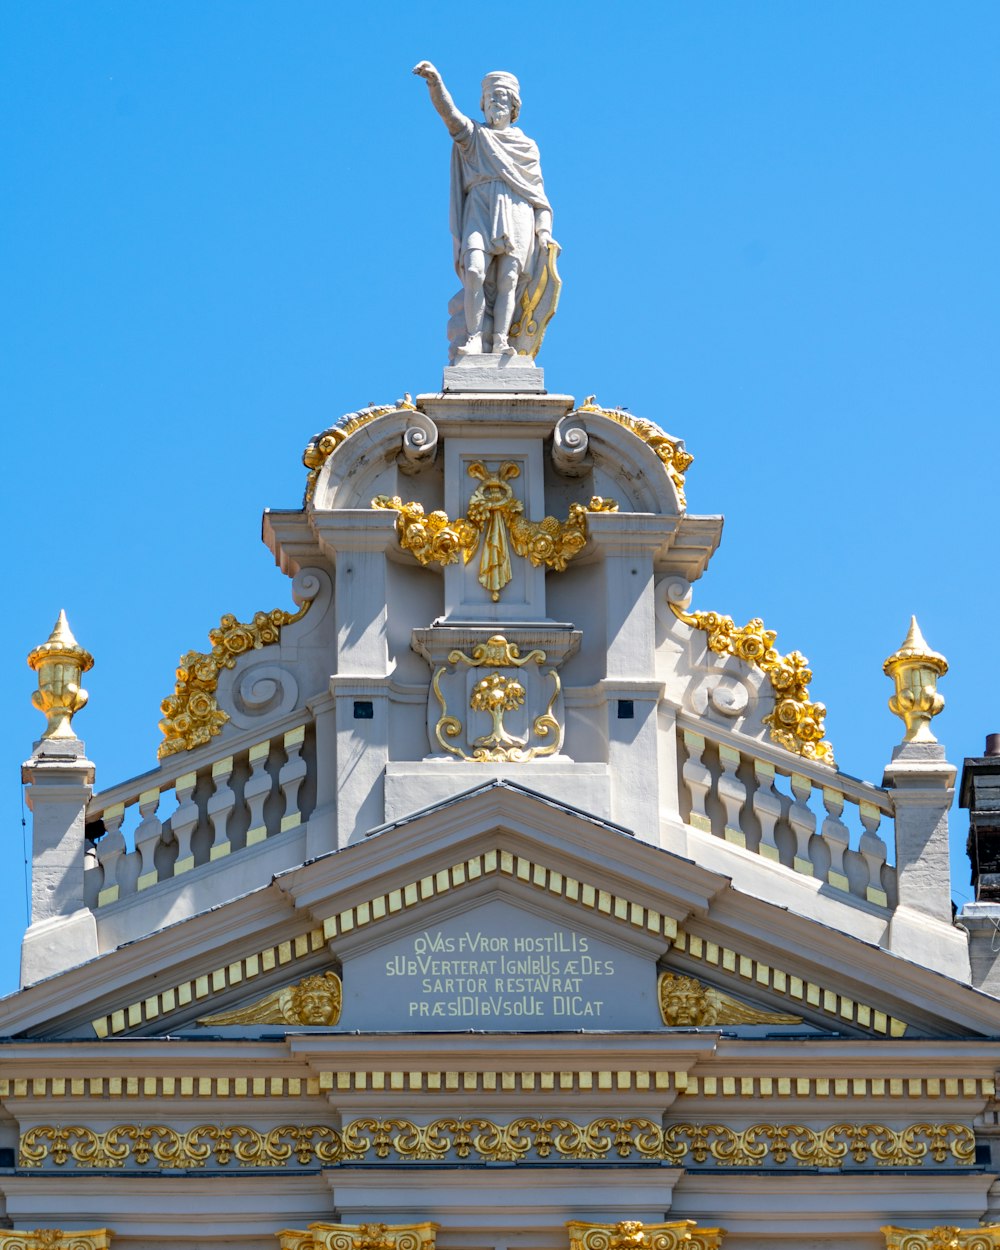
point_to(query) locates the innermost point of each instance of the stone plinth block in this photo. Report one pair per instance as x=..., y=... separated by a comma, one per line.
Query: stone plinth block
x=493, y=372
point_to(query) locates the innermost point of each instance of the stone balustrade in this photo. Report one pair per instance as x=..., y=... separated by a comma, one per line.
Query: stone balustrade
x=806, y=816
x=188, y=819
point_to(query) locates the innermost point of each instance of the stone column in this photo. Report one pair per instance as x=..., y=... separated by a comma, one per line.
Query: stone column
x=63, y=932
x=922, y=783
x=631, y=696
x=321, y=828
x=357, y=542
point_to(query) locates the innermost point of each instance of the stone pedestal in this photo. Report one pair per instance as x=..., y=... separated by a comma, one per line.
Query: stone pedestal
x=921, y=929
x=493, y=372
x=63, y=931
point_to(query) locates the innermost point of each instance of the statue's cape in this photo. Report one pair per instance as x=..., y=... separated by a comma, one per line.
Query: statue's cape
x=505, y=154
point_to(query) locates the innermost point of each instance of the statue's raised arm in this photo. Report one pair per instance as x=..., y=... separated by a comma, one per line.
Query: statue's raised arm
x=441, y=98
x=501, y=223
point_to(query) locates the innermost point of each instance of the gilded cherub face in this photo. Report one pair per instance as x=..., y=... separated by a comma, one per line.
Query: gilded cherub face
x=314, y=1002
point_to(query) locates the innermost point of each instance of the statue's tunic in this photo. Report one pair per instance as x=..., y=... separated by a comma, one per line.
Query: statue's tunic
x=496, y=191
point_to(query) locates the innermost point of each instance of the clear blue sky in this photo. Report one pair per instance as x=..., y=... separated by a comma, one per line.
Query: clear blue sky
x=225, y=224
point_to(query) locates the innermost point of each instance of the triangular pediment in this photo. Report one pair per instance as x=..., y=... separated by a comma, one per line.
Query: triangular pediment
x=499, y=910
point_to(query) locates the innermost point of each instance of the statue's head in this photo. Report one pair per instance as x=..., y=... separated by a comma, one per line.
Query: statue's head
x=501, y=98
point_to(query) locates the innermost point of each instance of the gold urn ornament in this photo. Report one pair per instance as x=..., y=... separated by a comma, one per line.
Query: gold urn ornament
x=915, y=669
x=60, y=662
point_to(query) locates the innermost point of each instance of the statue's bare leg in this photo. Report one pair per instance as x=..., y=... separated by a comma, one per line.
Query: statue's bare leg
x=507, y=269
x=475, y=301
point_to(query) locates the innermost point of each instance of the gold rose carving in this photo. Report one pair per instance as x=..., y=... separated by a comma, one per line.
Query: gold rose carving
x=685, y=1003
x=191, y=715
x=555, y=1139
x=495, y=520
x=322, y=446
x=796, y=723
x=315, y=1000
x=60, y=663
x=360, y=1237
x=496, y=695
x=56, y=1239
x=670, y=451
x=943, y=1237
x=634, y=1235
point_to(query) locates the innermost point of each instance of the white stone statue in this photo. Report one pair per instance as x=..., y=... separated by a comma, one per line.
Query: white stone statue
x=501, y=222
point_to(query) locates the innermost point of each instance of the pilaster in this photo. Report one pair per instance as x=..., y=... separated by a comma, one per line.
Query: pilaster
x=63, y=932
x=922, y=784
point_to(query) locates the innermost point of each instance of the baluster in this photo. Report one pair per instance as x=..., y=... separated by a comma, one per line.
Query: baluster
x=733, y=794
x=291, y=776
x=220, y=807
x=147, y=837
x=256, y=790
x=110, y=849
x=767, y=809
x=803, y=823
x=698, y=779
x=184, y=822
x=873, y=851
x=836, y=837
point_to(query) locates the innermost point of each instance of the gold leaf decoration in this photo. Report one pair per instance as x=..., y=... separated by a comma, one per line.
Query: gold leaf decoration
x=685, y=1002
x=315, y=1000
x=796, y=723
x=943, y=1237
x=191, y=715
x=495, y=516
x=322, y=446
x=360, y=1237
x=670, y=451
x=557, y=1139
x=496, y=695
x=56, y=1239
x=634, y=1235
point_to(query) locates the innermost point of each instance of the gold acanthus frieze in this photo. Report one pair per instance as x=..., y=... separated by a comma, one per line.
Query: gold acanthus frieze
x=315, y=1000
x=56, y=1239
x=942, y=1237
x=669, y=451
x=685, y=1003
x=796, y=723
x=493, y=525
x=482, y=1140
x=360, y=1237
x=321, y=446
x=191, y=715
x=635, y=1235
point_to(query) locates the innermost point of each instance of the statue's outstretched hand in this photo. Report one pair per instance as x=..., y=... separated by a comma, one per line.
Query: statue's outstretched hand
x=426, y=70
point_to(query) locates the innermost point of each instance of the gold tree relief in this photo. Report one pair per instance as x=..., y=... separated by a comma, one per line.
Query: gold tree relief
x=496, y=695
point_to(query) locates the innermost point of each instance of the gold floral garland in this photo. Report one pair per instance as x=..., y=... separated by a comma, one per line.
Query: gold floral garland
x=191, y=715
x=796, y=723
x=670, y=451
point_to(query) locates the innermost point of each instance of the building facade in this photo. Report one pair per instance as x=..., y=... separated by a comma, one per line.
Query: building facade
x=496, y=893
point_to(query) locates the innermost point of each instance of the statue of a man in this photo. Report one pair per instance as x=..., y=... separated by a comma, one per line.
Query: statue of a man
x=501, y=222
